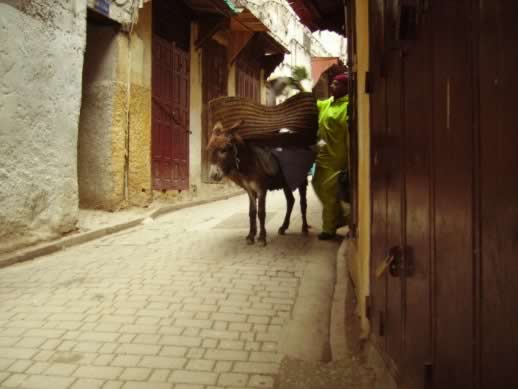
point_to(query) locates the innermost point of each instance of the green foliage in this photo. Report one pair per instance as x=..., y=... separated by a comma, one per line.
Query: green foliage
x=299, y=73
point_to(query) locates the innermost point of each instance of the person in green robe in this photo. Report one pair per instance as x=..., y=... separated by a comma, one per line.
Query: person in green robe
x=332, y=155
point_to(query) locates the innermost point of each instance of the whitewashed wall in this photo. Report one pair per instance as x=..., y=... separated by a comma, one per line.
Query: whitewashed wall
x=41, y=64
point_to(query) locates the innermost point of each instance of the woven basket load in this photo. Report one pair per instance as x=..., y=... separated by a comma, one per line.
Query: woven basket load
x=261, y=124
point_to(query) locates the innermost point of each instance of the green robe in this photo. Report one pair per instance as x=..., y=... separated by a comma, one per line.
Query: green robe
x=331, y=159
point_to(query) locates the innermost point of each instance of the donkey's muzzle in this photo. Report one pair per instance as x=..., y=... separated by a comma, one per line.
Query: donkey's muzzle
x=215, y=173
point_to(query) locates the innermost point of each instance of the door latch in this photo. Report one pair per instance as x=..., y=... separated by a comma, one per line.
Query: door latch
x=391, y=263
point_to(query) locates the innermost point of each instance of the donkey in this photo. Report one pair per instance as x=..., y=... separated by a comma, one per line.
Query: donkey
x=243, y=163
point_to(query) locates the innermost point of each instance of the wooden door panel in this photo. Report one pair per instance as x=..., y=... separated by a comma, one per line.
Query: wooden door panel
x=170, y=96
x=378, y=174
x=418, y=117
x=394, y=152
x=499, y=194
x=214, y=84
x=161, y=113
x=248, y=78
x=181, y=119
x=453, y=195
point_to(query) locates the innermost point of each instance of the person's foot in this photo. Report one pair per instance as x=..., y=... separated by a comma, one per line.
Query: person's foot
x=326, y=236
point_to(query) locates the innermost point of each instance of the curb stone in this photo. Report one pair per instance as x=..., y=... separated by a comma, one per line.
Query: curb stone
x=338, y=314
x=38, y=250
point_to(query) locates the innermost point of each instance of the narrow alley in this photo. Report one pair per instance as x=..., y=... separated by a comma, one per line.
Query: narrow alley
x=180, y=303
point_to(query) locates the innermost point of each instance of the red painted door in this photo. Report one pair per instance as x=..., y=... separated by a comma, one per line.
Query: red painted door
x=181, y=131
x=170, y=116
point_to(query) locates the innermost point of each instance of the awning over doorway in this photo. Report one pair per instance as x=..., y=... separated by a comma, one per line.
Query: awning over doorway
x=320, y=64
x=321, y=14
x=251, y=34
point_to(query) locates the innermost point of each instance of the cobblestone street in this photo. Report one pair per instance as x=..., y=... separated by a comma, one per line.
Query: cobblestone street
x=179, y=303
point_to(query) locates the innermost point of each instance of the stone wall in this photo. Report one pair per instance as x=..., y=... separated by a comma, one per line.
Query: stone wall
x=138, y=63
x=41, y=62
x=95, y=167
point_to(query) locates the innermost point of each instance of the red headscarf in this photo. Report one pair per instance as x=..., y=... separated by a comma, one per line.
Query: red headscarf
x=342, y=77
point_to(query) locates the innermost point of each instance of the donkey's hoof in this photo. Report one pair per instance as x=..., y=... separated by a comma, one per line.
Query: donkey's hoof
x=305, y=231
x=282, y=230
x=262, y=241
x=250, y=240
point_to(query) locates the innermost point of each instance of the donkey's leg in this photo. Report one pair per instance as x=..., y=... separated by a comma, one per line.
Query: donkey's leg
x=304, y=206
x=252, y=213
x=262, y=217
x=290, y=200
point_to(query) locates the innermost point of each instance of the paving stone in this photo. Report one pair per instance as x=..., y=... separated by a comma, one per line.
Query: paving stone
x=160, y=375
x=138, y=349
x=146, y=339
x=256, y=367
x=38, y=368
x=17, y=353
x=194, y=323
x=261, y=381
x=209, y=343
x=193, y=377
x=233, y=379
x=126, y=360
x=187, y=341
x=196, y=353
x=200, y=365
x=265, y=357
x=146, y=385
x=20, y=366
x=162, y=362
x=135, y=374
x=173, y=351
x=231, y=345
x=88, y=383
x=113, y=385
x=104, y=372
x=226, y=355
x=61, y=369
x=104, y=360
x=44, y=381
x=223, y=366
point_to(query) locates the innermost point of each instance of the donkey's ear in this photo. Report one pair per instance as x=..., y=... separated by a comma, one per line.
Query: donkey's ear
x=236, y=126
x=217, y=129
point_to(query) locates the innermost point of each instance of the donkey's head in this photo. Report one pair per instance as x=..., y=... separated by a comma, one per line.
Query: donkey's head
x=222, y=149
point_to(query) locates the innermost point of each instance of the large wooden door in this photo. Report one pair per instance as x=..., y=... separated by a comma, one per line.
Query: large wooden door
x=387, y=181
x=418, y=122
x=215, y=84
x=453, y=191
x=423, y=191
x=497, y=275
x=170, y=98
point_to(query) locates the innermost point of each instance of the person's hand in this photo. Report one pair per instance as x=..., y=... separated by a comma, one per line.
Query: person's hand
x=321, y=143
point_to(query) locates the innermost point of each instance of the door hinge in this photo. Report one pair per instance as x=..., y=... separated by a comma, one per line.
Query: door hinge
x=382, y=324
x=428, y=376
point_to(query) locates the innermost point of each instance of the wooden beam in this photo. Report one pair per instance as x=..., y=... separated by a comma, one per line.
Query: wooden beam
x=209, y=27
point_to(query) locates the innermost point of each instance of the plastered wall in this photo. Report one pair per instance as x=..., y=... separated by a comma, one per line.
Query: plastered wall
x=39, y=116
